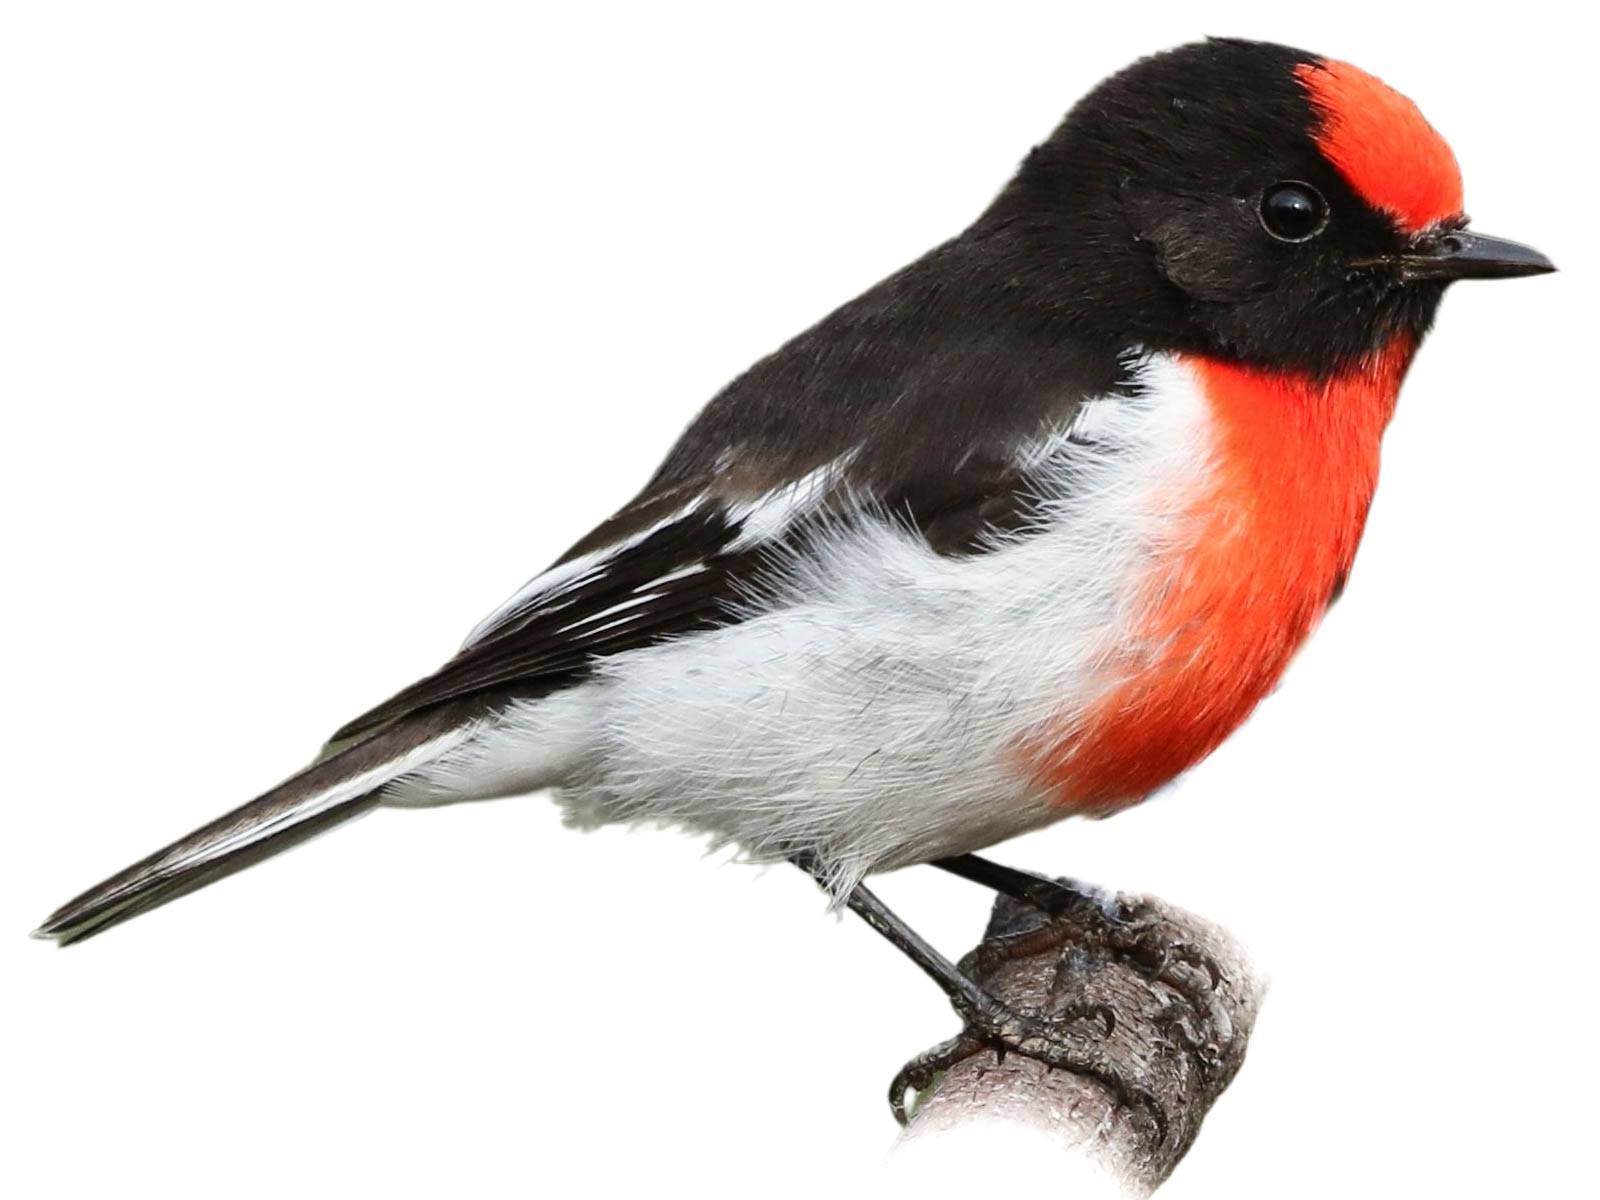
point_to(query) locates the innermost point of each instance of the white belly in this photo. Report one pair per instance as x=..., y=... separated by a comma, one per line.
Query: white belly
x=869, y=712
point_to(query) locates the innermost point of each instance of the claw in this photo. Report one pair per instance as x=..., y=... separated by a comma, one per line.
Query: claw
x=998, y=1028
x=910, y=1079
x=1163, y=961
x=1158, y=1118
x=897, y=1100
x=918, y=1074
x=1078, y=1012
x=1110, y=1017
x=1177, y=1032
x=1186, y=953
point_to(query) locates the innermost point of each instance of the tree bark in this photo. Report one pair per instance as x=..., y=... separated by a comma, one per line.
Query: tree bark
x=1183, y=1000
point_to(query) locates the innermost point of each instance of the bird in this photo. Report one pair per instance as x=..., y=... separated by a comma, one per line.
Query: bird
x=1021, y=533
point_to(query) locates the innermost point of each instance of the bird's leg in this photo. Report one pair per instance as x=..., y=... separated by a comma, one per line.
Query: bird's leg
x=1091, y=921
x=989, y=1023
x=1047, y=895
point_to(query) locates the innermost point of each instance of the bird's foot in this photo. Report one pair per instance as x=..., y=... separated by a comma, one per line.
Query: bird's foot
x=1054, y=1038
x=1132, y=932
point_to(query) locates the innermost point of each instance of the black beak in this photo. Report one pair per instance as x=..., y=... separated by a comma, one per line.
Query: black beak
x=1462, y=255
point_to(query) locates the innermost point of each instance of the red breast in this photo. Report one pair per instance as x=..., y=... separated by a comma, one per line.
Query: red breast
x=1263, y=545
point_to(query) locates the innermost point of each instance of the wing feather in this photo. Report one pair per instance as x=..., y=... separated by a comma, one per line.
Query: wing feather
x=917, y=402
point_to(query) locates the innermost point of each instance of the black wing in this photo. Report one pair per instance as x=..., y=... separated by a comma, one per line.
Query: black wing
x=912, y=403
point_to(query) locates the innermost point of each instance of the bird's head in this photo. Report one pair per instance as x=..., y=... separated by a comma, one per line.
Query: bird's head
x=1252, y=202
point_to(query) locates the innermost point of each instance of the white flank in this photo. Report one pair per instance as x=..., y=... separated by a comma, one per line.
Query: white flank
x=868, y=709
x=534, y=745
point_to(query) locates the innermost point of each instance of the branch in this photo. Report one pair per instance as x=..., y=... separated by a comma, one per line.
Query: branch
x=1184, y=1002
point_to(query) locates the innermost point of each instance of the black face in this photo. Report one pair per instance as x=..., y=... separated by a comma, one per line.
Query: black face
x=1188, y=192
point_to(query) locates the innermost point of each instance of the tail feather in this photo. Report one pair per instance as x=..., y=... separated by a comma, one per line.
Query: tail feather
x=329, y=792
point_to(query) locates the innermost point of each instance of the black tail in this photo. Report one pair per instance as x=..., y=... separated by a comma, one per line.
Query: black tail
x=325, y=794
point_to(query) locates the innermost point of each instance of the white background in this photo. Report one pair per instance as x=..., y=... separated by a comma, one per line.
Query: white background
x=324, y=325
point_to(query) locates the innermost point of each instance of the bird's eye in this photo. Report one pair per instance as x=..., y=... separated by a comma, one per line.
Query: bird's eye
x=1293, y=212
